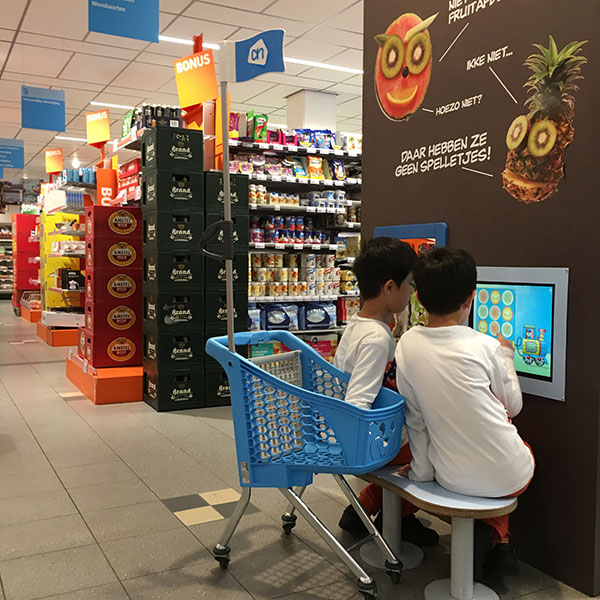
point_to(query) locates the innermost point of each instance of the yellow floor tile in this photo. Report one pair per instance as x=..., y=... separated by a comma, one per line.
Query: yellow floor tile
x=220, y=496
x=196, y=516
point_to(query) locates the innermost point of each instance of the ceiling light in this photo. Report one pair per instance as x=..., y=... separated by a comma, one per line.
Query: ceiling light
x=174, y=40
x=76, y=163
x=107, y=104
x=71, y=139
x=320, y=65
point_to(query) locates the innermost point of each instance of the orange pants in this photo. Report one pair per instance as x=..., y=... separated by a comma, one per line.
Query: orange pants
x=371, y=497
x=499, y=525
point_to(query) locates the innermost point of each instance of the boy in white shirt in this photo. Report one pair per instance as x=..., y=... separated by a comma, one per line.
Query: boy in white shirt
x=461, y=392
x=366, y=351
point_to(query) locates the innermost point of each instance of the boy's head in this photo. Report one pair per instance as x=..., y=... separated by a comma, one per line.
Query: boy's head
x=383, y=272
x=445, y=280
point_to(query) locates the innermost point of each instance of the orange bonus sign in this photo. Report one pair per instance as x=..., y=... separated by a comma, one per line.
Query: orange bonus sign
x=54, y=160
x=196, y=78
x=97, y=126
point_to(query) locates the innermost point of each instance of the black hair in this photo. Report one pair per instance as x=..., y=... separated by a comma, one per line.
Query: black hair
x=445, y=278
x=380, y=260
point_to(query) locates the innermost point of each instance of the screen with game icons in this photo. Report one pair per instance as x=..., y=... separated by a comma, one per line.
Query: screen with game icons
x=523, y=314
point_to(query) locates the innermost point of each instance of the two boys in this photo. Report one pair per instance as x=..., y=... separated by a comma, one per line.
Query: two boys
x=460, y=387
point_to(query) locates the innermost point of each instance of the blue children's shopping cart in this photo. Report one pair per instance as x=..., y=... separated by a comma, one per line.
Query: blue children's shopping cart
x=291, y=422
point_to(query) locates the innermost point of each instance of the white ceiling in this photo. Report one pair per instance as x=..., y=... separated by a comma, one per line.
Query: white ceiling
x=46, y=43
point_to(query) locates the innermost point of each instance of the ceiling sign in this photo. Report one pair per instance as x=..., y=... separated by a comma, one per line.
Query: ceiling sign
x=196, y=78
x=137, y=19
x=42, y=108
x=54, y=160
x=12, y=153
x=97, y=127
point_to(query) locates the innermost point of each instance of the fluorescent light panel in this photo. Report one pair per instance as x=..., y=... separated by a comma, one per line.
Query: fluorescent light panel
x=294, y=61
x=108, y=105
x=70, y=139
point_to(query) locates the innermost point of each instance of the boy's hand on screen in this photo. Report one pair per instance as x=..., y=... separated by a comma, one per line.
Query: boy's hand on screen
x=505, y=343
x=403, y=470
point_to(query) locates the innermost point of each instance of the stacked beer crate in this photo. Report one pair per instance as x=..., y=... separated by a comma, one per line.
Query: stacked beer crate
x=112, y=335
x=173, y=269
x=217, y=390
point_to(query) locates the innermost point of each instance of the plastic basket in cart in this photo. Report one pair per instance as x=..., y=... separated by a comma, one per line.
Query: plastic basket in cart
x=291, y=420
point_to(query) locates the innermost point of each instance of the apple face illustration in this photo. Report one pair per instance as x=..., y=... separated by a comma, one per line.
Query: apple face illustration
x=403, y=66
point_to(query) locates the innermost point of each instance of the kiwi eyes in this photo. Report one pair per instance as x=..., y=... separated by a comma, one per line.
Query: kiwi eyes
x=392, y=57
x=418, y=53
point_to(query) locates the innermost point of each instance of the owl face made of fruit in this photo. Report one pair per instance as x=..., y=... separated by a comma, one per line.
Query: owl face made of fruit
x=403, y=66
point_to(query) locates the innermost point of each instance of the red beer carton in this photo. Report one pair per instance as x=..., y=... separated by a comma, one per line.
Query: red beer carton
x=113, y=285
x=109, y=253
x=113, y=222
x=116, y=316
x=108, y=349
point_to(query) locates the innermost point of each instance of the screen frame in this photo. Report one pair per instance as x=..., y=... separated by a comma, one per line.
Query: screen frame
x=551, y=286
x=558, y=278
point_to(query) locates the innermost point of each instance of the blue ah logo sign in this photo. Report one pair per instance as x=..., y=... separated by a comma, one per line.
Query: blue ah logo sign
x=262, y=53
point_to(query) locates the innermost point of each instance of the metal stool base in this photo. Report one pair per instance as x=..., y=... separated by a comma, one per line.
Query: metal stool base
x=440, y=590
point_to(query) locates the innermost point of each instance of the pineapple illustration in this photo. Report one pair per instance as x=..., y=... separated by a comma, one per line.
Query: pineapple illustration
x=537, y=141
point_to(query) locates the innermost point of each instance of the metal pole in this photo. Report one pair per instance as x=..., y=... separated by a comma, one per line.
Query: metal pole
x=227, y=211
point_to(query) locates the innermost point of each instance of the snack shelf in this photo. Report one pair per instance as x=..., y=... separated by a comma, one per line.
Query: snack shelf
x=70, y=186
x=266, y=245
x=299, y=150
x=69, y=232
x=292, y=208
x=270, y=299
x=131, y=142
x=67, y=255
x=350, y=182
x=61, y=291
x=70, y=209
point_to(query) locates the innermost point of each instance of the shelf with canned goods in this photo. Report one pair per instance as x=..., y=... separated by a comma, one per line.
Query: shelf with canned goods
x=291, y=246
x=301, y=150
x=282, y=180
x=271, y=299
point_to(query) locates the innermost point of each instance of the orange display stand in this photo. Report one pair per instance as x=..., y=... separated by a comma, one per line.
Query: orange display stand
x=32, y=316
x=57, y=337
x=112, y=385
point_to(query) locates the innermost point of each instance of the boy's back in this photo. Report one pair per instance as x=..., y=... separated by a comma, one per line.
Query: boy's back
x=461, y=383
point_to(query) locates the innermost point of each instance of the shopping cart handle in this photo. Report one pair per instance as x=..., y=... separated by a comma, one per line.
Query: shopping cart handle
x=211, y=232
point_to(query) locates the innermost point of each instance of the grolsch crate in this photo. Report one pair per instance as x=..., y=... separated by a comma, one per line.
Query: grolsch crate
x=164, y=190
x=173, y=148
x=173, y=270
x=173, y=389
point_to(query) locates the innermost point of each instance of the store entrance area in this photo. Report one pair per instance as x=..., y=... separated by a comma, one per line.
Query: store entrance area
x=118, y=501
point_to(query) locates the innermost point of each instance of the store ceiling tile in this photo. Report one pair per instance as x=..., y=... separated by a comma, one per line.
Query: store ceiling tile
x=253, y=5
x=35, y=61
x=244, y=18
x=173, y=6
x=6, y=35
x=37, y=136
x=67, y=18
x=144, y=76
x=156, y=59
x=100, y=50
x=344, y=88
x=336, y=36
x=350, y=19
x=311, y=50
x=10, y=90
x=355, y=80
x=273, y=98
x=162, y=98
x=170, y=49
x=352, y=108
x=8, y=130
x=325, y=75
x=249, y=89
x=10, y=115
x=112, y=40
x=51, y=81
x=12, y=11
x=96, y=69
x=4, y=47
x=296, y=81
x=313, y=11
x=79, y=99
x=185, y=27
x=349, y=58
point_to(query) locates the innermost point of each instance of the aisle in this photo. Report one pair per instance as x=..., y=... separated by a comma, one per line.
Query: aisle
x=119, y=502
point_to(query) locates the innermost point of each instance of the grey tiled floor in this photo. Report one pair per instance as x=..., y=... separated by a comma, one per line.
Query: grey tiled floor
x=81, y=516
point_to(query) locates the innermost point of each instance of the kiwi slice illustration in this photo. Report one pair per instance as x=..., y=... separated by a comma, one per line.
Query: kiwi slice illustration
x=418, y=53
x=542, y=138
x=392, y=57
x=517, y=132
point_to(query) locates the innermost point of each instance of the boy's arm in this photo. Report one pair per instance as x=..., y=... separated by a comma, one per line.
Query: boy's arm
x=367, y=375
x=505, y=383
x=421, y=468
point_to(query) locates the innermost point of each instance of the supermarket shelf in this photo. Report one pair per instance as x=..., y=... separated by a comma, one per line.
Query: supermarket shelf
x=67, y=255
x=309, y=331
x=69, y=231
x=289, y=208
x=61, y=291
x=54, y=318
x=268, y=299
x=267, y=245
x=300, y=150
x=71, y=186
x=131, y=142
x=6, y=240
x=305, y=182
x=70, y=209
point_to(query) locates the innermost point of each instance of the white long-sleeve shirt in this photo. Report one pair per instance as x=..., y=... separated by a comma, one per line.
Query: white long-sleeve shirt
x=366, y=352
x=461, y=391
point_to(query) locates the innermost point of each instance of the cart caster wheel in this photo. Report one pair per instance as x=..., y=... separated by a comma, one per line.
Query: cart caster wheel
x=17, y=311
x=221, y=555
x=288, y=522
x=368, y=590
x=394, y=570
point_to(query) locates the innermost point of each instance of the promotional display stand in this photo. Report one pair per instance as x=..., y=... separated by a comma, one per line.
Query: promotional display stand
x=25, y=261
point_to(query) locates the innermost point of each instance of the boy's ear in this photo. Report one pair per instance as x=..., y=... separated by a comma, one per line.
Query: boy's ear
x=387, y=286
x=470, y=299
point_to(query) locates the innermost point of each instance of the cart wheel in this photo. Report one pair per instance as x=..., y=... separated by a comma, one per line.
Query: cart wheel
x=17, y=311
x=288, y=522
x=222, y=556
x=368, y=590
x=394, y=570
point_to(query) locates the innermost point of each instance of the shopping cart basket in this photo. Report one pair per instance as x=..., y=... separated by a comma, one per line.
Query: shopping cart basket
x=291, y=422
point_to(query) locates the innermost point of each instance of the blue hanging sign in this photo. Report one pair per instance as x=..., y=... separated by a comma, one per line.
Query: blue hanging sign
x=137, y=19
x=247, y=59
x=42, y=108
x=12, y=153
x=1, y=172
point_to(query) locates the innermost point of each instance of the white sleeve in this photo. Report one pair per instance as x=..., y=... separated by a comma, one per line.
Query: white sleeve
x=505, y=383
x=367, y=374
x=421, y=468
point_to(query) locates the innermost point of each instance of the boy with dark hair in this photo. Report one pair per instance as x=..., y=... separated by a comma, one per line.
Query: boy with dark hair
x=366, y=351
x=461, y=392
